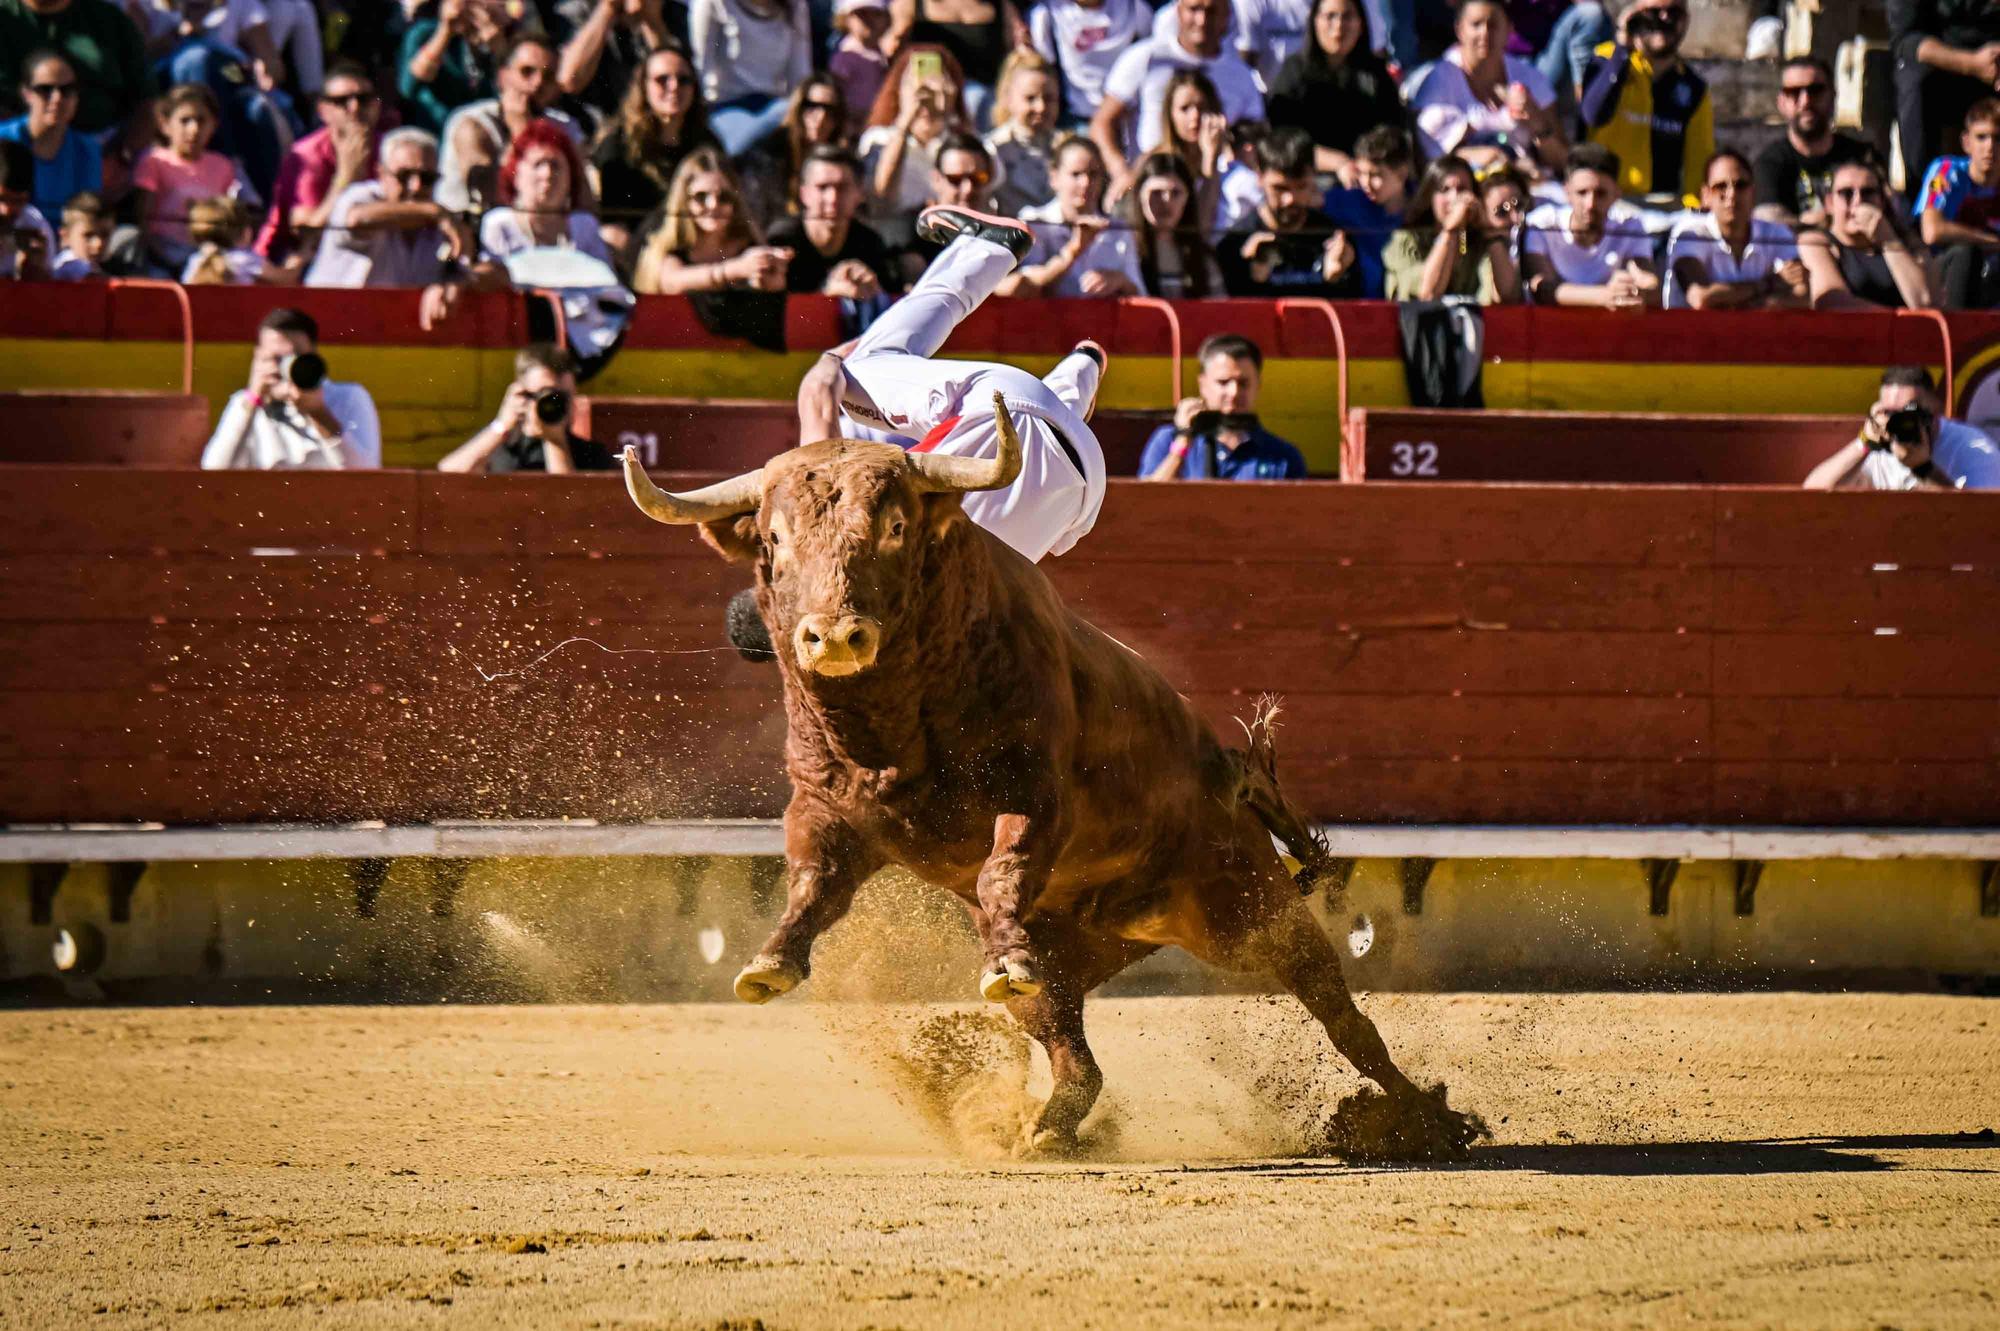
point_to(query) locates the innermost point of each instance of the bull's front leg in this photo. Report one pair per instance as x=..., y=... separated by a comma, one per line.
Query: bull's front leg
x=825, y=862
x=1010, y=882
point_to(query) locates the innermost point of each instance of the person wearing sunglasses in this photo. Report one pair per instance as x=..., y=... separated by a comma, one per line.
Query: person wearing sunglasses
x=1794, y=174
x=1643, y=102
x=1729, y=258
x=320, y=166
x=67, y=163
x=1863, y=260
x=391, y=232
x=703, y=239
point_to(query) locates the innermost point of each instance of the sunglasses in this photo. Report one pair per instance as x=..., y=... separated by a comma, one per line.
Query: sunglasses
x=964, y=178
x=829, y=107
x=1817, y=88
x=353, y=101
x=1852, y=194
x=415, y=178
x=51, y=91
x=1506, y=206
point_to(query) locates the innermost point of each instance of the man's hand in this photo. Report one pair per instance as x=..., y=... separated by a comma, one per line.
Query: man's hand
x=435, y=305
x=1337, y=257
x=1105, y=282
x=853, y=279
x=351, y=144
x=459, y=241
x=264, y=381
x=513, y=414
x=819, y=399
x=1791, y=274
x=1184, y=414
x=1986, y=64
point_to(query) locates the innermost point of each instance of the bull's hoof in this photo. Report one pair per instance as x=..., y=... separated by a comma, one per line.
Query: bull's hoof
x=1046, y=1144
x=1011, y=977
x=765, y=978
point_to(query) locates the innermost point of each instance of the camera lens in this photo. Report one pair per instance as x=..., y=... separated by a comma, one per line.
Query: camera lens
x=305, y=371
x=552, y=406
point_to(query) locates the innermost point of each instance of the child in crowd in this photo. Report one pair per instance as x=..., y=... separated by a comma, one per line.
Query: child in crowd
x=222, y=229
x=1372, y=211
x=1024, y=132
x=859, y=63
x=1958, y=209
x=86, y=231
x=170, y=179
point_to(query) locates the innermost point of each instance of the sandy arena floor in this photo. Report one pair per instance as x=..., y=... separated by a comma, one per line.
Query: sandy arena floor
x=1711, y=1160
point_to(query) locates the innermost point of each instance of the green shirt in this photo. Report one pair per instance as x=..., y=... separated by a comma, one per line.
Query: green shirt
x=460, y=79
x=1403, y=268
x=97, y=38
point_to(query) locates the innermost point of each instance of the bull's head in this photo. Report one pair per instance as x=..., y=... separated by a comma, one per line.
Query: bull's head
x=839, y=533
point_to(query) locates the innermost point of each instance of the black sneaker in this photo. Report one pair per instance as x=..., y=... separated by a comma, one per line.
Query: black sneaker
x=747, y=633
x=943, y=223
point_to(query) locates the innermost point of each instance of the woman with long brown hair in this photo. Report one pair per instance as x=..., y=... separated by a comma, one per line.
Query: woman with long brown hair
x=1447, y=248
x=660, y=121
x=707, y=240
x=1194, y=129
x=816, y=117
x=922, y=100
x=1174, y=260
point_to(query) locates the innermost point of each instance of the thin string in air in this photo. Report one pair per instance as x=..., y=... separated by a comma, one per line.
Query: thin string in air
x=610, y=651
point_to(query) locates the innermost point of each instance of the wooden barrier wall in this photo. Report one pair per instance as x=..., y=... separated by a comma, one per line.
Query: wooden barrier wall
x=191, y=647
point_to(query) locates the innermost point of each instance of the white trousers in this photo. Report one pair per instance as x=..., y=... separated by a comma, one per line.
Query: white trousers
x=893, y=385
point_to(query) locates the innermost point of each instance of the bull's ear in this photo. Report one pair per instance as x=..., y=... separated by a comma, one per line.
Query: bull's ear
x=735, y=539
x=942, y=514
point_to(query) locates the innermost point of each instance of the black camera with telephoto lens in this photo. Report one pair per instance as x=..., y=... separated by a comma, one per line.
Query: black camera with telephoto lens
x=551, y=406
x=305, y=371
x=1208, y=422
x=1907, y=426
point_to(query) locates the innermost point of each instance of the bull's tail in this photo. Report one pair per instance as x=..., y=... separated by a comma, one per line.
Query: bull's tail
x=1257, y=785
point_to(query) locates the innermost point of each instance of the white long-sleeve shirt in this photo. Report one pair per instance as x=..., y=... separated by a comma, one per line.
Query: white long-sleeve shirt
x=280, y=438
x=739, y=53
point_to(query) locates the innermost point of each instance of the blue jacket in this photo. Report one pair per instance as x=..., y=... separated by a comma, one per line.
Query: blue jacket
x=1261, y=457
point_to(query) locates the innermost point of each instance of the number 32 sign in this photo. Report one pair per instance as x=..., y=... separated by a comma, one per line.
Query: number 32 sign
x=1408, y=459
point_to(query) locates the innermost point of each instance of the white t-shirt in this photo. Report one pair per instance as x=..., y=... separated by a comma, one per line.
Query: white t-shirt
x=1139, y=81
x=1086, y=43
x=1115, y=250
x=281, y=438
x=375, y=256
x=1267, y=32
x=1450, y=117
x=913, y=178
x=1241, y=193
x=1771, y=243
x=1586, y=265
x=502, y=232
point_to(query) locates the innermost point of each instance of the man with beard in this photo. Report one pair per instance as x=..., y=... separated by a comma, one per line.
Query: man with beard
x=1289, y=247
x=1795, y=172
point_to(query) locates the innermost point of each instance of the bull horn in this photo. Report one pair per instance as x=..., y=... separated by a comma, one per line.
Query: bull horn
x=943, y=474
x=724, y=499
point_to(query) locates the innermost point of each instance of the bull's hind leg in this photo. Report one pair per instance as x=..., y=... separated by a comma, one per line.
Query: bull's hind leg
x=824, y=865
x=1305, y=961
x=1076, y=964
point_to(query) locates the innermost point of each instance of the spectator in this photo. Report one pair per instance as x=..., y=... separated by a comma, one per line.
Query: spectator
x=105, y=50
x=1216, y=436
x=213, y=46
x=86, y=232
x=1795, y=173
x=1484, y=105
x=532, y=430
x=167, y=180
x=1023, y=140
x=222, y=229
x=1577, y=256
x=235, y=30
x=922, y=101
x=448, y=58
x=751, y=54
x=605, y=44
x=1947, y=55
x=1958, y=211
x=1565, y=57
x=1174, y=261
x=1505, y=194
x=26, y=240
x=67, y=162
x=540, y=180
x=1728, y=258
x=1129, y=119
x=320, y=166
x=1077, y=251
x=705, y=239
x=476, y=136
x=660, y=121
x=1373, y=209
x=292, y=417
x=1861, y=260
x=391, y=232
x=859, y=63
x=1193, y=128
x=1906, y=443
x=1083, y=39
x=977, y=33
x=816, y=116
x=1237, y=189
x=1336, y=89
x=962, y=178
x=1289, y=248
x=1642, y=101
x=1449, y=248
x=834, y=253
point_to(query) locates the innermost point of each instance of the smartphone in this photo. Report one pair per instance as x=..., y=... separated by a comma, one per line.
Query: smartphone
x=927, y=65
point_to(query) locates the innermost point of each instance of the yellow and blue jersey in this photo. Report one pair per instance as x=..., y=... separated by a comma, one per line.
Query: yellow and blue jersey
x=1662, y=126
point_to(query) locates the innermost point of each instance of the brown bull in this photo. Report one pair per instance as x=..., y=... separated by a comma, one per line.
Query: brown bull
x=948, y=714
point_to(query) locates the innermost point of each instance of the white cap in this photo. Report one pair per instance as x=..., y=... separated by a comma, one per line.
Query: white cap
x=842, y=8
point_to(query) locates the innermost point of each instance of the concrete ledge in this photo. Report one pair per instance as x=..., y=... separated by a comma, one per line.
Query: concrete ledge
x=104, y=843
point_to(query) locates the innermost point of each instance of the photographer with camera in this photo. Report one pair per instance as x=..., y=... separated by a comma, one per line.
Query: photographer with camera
x=532, y=432
x=292, y=417
x=1216, y=436
x=1906, y=444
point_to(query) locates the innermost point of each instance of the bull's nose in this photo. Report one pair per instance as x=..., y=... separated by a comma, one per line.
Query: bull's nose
x=836, y=645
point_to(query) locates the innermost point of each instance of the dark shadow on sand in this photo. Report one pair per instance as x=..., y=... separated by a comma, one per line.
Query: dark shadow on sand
x=1786, y=1155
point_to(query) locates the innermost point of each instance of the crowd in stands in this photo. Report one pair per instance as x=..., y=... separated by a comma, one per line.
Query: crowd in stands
x=1494, y=150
